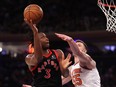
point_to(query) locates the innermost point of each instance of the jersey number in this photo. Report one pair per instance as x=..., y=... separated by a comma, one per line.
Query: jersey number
x=48, y=75
x=75, y=75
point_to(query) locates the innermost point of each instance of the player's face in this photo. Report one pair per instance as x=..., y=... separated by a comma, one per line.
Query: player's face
x=81, y=46
x=44, y=41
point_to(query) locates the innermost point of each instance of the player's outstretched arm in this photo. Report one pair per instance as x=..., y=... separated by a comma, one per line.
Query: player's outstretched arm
x=84, y=58
x=37, y=43
x=75, y=50
x=64, y=62
x=25, y=85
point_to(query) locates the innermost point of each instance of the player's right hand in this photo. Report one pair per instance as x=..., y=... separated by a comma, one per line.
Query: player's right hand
x=31, y=25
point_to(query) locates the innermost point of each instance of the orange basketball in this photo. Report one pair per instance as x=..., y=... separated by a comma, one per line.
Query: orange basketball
x=33, y=12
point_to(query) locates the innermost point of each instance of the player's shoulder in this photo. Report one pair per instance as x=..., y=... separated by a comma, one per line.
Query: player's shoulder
x=59, y=50
x=30, y=56
x=59, y=53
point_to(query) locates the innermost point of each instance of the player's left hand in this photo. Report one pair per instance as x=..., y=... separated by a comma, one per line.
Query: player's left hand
x=24, y=85
x=64, y=37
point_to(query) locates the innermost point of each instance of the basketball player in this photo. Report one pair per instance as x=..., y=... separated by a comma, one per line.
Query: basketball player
x=83, y=72
x=46, y=65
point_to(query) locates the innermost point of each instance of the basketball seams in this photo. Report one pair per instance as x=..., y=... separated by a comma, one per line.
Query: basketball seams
x=36, y=15
x=30, y=12
x=33, y=12
x=35, y=7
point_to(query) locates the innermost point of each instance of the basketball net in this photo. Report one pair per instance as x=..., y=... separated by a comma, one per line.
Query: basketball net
x=109, y=10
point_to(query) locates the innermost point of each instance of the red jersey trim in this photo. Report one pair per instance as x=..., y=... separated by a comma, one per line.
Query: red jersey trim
x=33, y=68
x=47, y=56
x=56, y=54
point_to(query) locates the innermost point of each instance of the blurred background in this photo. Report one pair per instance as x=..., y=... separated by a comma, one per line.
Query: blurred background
x=80, y=19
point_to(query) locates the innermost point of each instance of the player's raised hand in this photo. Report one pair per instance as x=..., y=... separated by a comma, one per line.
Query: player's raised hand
x=66, y=61
x=31, y=25
x=24, y=85
x=64, y=37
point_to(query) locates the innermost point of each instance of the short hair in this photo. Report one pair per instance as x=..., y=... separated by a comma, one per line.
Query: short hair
x=32, y=39
x=83, y=43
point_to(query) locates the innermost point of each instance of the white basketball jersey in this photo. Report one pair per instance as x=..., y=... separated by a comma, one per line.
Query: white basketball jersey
x=83, y=77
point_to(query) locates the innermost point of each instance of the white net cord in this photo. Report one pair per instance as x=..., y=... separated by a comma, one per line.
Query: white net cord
x=110, y=13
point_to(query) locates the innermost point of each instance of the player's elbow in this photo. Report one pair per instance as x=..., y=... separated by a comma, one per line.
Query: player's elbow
x=30, y=59
x=92, y=64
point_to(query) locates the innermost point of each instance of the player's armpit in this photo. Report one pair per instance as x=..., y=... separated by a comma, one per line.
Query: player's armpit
x=60, y=54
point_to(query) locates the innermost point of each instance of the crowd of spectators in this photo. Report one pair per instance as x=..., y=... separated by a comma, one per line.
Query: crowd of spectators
x=59, y=15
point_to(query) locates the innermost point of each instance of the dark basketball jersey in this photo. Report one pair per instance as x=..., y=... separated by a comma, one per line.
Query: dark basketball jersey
x=47, y=73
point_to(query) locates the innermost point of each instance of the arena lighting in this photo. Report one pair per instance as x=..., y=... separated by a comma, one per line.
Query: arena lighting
x=107, y=47
x=14, y=55
x=113, y=48
x=3, y=52
x=0, y=49
x=110, y=47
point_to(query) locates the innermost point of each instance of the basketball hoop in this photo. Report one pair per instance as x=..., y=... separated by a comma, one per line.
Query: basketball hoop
x=109, y=9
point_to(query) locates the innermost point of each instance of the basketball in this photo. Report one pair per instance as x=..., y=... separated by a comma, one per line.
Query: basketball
x=33, y=12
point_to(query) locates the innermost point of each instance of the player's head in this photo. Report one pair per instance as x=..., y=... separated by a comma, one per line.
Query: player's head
x=44, y=40
x=82, y=46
